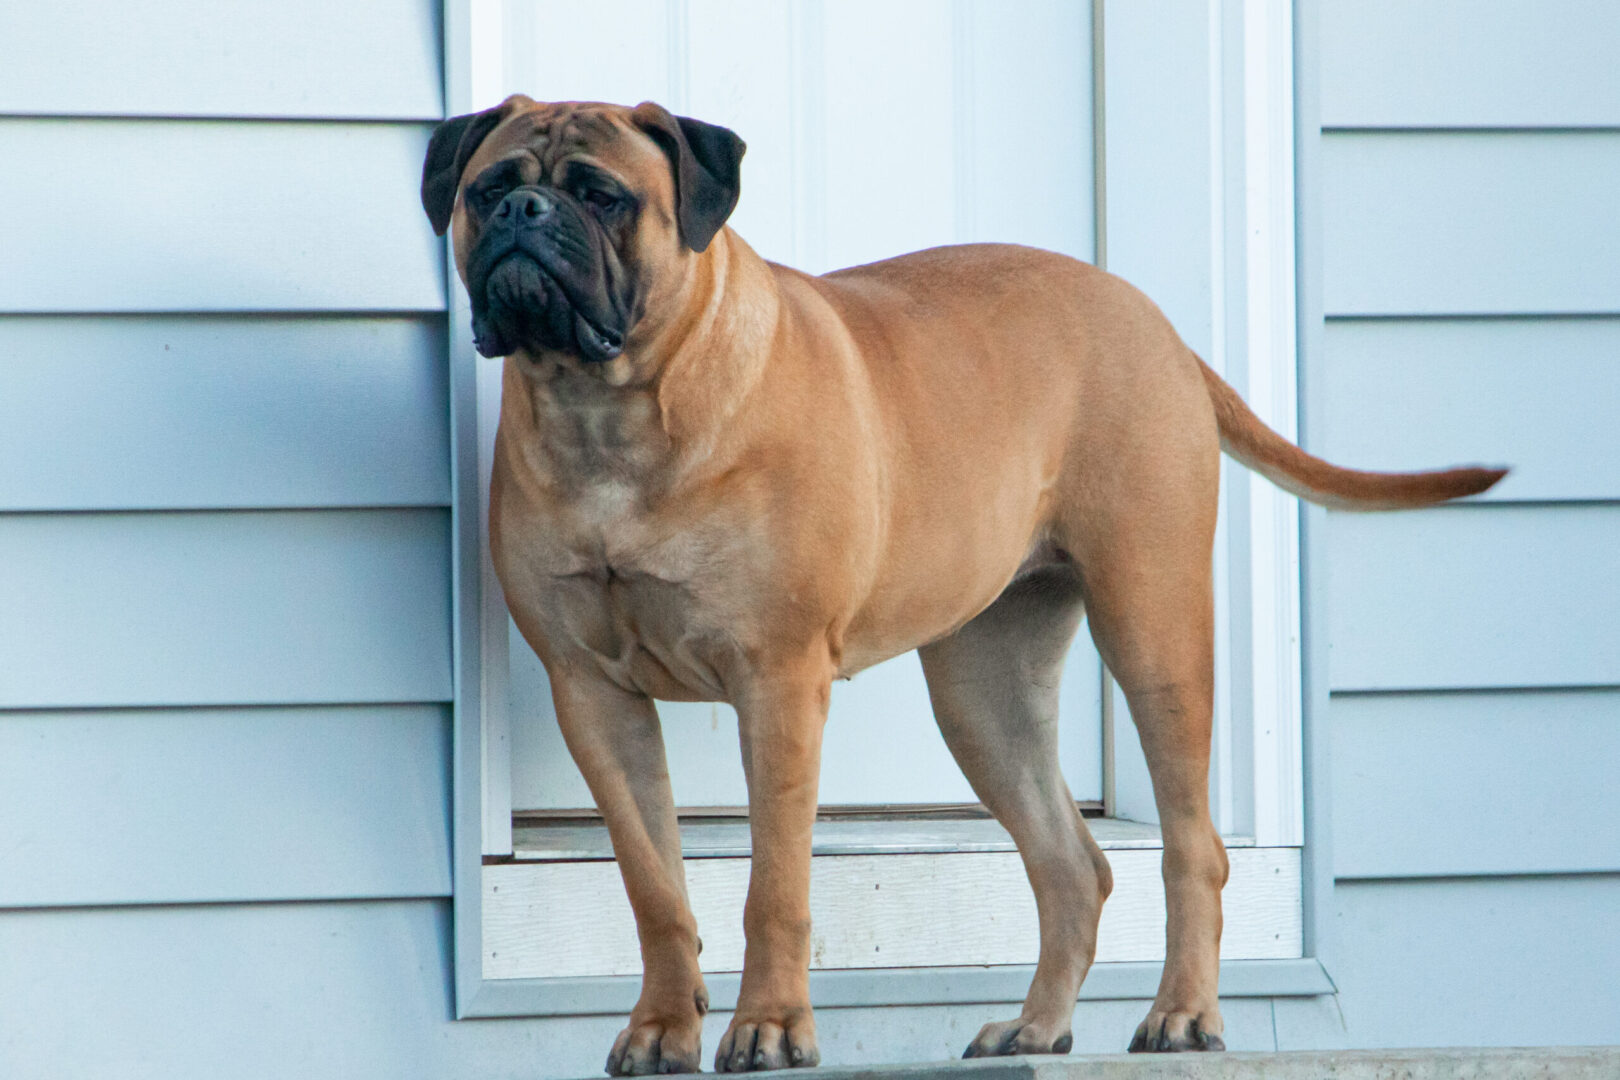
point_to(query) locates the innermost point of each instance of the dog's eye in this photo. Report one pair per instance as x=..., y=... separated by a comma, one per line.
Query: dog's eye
x=485, y=199
x=602, y=201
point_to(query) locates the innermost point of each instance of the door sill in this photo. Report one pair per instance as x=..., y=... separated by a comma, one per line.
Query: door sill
x=586, y=840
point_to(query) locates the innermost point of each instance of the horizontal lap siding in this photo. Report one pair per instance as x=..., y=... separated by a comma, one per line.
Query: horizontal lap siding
x=1471, y=290
x=213, y=215
x=225, y=576
x=1475, y=783
x=145, y=412
x=135, y=806
x=1463, y=223
x=1469, y=63
x=1522, y=596
x=1520, y=961
x=370, y=59
x=1537, y=393
x=211, y=608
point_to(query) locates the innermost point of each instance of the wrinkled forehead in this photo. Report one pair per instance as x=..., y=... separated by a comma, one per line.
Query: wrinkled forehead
x=553, y=133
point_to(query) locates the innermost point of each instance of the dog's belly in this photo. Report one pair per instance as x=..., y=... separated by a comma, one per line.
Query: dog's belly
x=872, y=641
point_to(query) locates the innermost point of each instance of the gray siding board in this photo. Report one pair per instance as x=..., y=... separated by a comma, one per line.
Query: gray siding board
x=354, y=990
x=1465, y=223
x=1479, y=962
x=1467, y=63
x=179, y=806
x=1536, y=394
x=250, y=607
x=163, y=412
x=306, y=58
x=1505, y=786
x=1469, y=784
x=202, y=215
x=1475, y=597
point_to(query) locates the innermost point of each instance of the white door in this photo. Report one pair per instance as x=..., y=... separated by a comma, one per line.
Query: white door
x=874, y=127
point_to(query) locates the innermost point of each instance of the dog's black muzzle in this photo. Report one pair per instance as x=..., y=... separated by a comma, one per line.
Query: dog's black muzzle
x=539, y=276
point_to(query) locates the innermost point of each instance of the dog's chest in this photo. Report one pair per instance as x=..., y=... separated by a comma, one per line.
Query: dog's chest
x=641, y=592
x=602, y=551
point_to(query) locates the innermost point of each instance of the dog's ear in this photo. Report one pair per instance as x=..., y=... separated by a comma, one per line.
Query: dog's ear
x=706, y=160
x=453, y=144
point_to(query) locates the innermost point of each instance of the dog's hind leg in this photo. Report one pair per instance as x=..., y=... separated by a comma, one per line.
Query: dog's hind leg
x=1146, y=578
x=994, y=687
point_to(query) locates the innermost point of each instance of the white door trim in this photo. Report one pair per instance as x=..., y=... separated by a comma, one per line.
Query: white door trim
x=1217, y=188
x=1261, y=235
x=1256, y=232
x=1272, y=392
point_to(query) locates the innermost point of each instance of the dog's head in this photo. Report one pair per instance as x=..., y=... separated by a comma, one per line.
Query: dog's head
x=570, y=220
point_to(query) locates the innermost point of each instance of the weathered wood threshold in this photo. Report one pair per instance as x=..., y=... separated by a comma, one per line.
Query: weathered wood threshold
x=884, y=894
x=575, y=839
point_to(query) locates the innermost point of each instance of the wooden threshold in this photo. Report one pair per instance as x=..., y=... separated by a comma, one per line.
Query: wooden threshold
x=826, y=812
x=585, y=840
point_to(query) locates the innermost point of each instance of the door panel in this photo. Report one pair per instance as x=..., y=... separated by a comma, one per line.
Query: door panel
x=977, y=129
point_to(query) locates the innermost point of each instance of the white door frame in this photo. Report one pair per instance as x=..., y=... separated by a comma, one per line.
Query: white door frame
x=1244, y=326
x=1219, y=176
x=1248, y=192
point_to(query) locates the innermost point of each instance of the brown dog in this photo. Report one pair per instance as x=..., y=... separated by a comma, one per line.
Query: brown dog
x=717, y=478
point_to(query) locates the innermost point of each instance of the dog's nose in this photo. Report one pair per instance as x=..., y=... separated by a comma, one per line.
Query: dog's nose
x=525, y=206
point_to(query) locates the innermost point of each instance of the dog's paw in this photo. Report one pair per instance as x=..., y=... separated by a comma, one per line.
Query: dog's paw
x=1021, y=1036
x=657, y=1047
x=1171, y=1031
x=754, y=1043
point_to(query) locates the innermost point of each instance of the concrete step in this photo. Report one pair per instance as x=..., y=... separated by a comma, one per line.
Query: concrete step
x=1535, y=1063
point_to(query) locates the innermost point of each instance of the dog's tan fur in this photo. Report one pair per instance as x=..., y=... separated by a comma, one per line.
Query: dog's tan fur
x=785, y=479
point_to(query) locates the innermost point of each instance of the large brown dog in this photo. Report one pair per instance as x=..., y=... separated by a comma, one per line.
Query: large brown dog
x=717, y=478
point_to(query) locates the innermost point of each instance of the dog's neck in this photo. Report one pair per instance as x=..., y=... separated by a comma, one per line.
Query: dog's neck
x=709, y=364
x=662, y=409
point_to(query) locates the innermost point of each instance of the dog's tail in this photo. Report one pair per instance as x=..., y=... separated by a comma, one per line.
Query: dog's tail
x=1247, y=439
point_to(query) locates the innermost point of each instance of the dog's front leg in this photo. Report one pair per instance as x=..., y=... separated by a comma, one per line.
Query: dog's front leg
x=615, y=738
x=780, y=719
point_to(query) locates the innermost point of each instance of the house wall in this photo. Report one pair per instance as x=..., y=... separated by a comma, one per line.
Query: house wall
x=1464, y=201
x=225, y=552
x=225, y=558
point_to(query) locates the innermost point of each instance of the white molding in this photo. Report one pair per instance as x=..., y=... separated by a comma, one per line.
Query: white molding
x=1272, y=392
x=486, y=40
x=1226, y=806
x=1227, y=182
x=495, y=634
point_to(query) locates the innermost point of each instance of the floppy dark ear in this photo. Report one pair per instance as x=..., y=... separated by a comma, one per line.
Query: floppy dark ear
x=452, y=145
x=706, y=160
